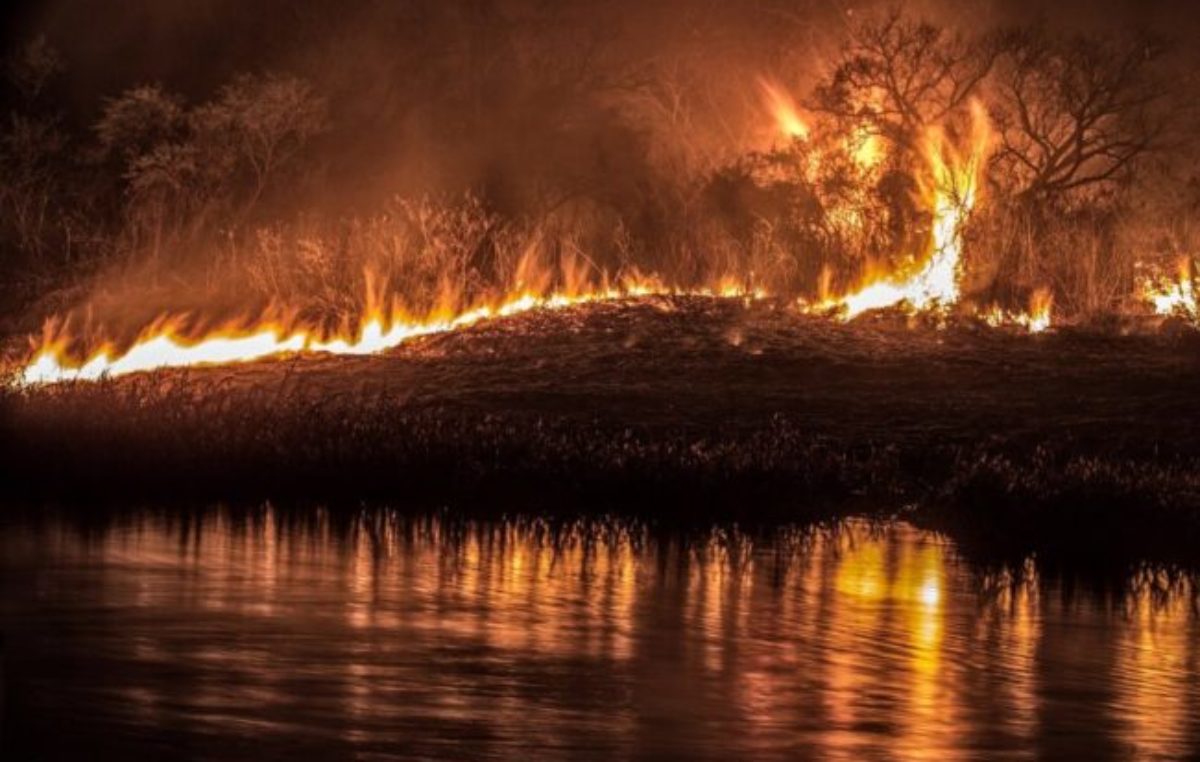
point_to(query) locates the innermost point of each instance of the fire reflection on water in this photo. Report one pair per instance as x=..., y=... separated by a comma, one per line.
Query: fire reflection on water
x=383, y=632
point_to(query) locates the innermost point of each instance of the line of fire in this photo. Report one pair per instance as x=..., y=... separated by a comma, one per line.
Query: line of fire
x=490, y=379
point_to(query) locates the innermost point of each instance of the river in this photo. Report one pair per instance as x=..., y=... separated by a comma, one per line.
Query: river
x=267, y=633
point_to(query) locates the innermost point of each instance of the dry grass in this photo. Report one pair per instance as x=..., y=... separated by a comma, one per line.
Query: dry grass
x=682, y=411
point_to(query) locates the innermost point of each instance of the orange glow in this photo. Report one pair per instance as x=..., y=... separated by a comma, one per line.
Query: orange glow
x=1036, y=320
x=166, y=343
x=866, y=149
x=784, y=110
x=950, y=191
x=1173, y=296
x=949, y=187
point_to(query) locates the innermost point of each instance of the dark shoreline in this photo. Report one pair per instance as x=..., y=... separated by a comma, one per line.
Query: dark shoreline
x=683, y=411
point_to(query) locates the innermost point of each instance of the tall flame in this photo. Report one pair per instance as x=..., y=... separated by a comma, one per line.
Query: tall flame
x=951, y=190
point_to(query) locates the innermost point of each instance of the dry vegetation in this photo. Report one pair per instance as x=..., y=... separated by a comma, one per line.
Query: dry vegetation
x=584, y=163
x=162, y=202
x=679, y=410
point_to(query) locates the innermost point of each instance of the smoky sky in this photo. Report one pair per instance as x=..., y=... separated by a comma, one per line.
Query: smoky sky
x=382, y=64
x=193, y=44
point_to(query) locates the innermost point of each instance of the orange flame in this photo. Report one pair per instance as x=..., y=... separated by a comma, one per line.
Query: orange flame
x=1036, y=320
x=950, y=188
x=865, y=148
x=165, y=344
x=951, y=191
x=784, y=109
x=1174, y=297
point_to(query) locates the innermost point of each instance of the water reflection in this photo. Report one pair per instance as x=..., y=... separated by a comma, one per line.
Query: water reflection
x=320, y=633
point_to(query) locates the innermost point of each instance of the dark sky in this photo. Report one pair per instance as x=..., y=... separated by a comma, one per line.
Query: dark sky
x=193, y=43
x=367, y=55
x=190, y=44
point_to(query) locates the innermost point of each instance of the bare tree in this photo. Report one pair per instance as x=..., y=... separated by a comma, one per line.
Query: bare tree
x=138, y=120
x=260, y=124
x=144, y=130
x=896, y=76
x=1075, y=113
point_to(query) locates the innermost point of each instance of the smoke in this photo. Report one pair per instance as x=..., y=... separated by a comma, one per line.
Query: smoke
x=526, y=101
x=529, y=103
x=592, y=110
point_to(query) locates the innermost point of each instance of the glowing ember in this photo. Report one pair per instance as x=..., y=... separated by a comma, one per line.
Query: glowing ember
x=1174, y=297
x=1036, y=320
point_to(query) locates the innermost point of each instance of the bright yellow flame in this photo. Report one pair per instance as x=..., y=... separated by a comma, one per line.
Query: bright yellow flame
x=866, y=149
x=951, y=191
x=931, y=592
x=1036, y=320
x=784, y=109
x=1174, y=297
x=165, y=344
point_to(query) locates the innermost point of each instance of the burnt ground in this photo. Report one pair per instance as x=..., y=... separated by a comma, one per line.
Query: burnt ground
x=670, y=410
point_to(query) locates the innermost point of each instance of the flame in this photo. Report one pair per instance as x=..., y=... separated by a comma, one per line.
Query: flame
x=165, y=344
x=951, y=191
x=862, y=145
x=1036, y=320
x=1174, y=297
x=866, y=149
x=949, y=187
x=784, y=109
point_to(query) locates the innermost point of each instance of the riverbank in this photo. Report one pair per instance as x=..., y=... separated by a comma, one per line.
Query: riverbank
x=675, y=410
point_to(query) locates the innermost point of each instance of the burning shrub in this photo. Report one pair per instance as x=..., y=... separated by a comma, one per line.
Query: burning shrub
x=929, y=170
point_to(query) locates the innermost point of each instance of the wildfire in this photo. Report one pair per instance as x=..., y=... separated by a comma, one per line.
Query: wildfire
x=951, y=191
x=1174, y=297
x=1036, y=320
x=866, y=149
x=784, y=109
x=861, y=144
x=949, y=188
x=166, y=344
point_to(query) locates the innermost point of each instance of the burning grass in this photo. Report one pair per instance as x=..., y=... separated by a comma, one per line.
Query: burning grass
x=669, y=409
x=863, y=224
x=878, y=304
x=531, y=272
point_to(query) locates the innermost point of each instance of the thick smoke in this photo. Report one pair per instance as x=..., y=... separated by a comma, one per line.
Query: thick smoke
x=508, y=96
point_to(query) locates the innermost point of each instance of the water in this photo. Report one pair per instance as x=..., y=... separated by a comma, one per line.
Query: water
x=264, y=634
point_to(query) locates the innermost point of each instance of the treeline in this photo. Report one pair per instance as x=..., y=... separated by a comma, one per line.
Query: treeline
x=585, y=148
x=1092, y=174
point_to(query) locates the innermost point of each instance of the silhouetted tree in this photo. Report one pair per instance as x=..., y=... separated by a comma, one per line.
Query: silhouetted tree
x=182, y=165
x=897, y=76
x=258, y=125
x=1074, y=113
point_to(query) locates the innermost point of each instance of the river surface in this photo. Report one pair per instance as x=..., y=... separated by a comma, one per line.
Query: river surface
x=265, y=634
